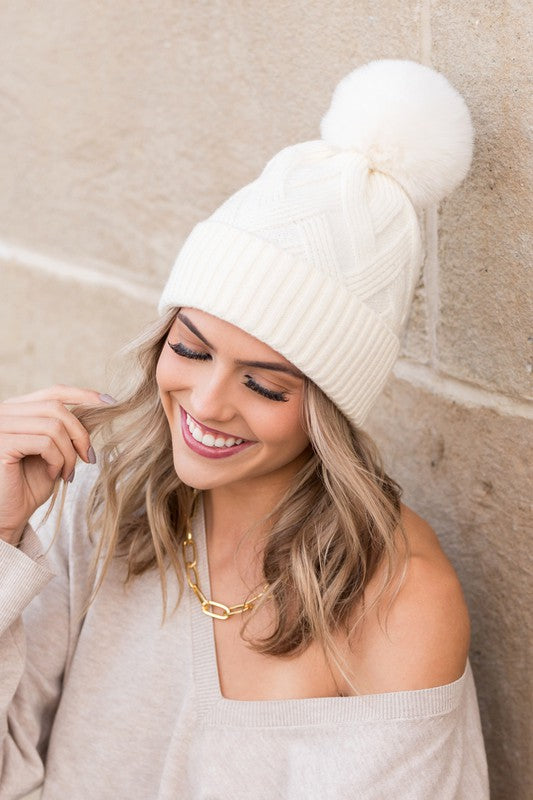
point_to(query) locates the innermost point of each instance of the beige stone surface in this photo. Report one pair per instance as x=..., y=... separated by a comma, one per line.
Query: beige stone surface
x=486, y=231
x=121, y=126
x=415, y=342
x=63, y=331
x=467, y=471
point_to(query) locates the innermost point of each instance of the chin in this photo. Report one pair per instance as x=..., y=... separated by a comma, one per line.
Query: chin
x=192, y=477
x=198, y=476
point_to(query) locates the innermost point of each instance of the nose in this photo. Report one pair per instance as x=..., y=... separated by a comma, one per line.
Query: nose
x=210, y=397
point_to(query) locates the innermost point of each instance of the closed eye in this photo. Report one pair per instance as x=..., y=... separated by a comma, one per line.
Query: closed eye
x=186, y=352
x=181, y=350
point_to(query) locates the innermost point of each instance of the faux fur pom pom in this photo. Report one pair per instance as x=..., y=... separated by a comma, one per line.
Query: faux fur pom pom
x=409, y=121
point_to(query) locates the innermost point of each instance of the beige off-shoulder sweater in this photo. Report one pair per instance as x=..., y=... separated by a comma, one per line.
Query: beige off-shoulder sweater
x=119, y=706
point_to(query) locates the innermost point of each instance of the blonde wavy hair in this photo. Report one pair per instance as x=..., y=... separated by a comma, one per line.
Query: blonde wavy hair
x=338, y=520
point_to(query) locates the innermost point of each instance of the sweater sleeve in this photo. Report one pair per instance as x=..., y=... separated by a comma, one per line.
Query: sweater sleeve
x=37, y=634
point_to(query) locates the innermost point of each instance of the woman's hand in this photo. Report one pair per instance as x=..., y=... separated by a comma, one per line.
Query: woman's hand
x=40, y=439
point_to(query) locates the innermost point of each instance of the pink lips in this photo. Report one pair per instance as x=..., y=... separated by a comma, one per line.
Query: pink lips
x=204, y=450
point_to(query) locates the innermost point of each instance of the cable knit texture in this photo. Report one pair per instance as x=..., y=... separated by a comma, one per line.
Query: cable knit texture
x=319, y=256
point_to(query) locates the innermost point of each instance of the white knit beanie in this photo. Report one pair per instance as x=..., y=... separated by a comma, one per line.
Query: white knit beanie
x=320, y=255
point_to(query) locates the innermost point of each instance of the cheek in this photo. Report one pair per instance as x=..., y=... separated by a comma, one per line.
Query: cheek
x=162, y=384
x=167, y=374
x=168, y=380
x=285, y=429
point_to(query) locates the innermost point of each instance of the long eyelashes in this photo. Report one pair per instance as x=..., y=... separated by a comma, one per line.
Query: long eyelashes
x=256, y=387
x=181, y=350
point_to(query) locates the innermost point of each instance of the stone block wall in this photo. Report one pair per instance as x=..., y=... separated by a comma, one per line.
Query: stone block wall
x=123, y=124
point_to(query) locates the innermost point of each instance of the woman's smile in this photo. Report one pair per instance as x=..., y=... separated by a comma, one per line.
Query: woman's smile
x=209, y=442
x=219, y=437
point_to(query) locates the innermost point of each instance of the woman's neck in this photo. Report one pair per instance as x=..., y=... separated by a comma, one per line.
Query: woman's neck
x=233, y=511
x=241, y=507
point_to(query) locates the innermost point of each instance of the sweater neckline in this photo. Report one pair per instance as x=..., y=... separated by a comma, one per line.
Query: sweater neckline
x=214, y=708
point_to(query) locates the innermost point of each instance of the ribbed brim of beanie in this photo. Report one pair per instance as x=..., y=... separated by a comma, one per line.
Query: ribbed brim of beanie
x=325, y=331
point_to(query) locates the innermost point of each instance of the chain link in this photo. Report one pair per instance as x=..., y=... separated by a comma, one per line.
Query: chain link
x=210, y=607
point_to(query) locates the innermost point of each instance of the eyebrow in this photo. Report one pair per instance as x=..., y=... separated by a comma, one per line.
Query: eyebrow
x=273, y=365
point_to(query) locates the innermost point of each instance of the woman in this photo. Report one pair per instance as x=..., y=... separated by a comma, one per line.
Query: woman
x=318, y=643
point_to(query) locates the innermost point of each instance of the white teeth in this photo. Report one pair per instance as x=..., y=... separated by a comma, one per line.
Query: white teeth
x=207, y=438
x=197, y=434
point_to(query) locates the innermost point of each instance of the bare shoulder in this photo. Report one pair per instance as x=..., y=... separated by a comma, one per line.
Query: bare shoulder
x=422, y=635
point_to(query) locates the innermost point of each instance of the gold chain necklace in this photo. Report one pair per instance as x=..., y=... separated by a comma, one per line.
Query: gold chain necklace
x=209, y=607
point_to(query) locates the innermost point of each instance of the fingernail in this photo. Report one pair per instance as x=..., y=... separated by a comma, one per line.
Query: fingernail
x=71, y=476
x=91, y=455
x=106, y=398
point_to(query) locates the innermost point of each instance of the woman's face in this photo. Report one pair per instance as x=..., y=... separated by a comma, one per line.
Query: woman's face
x=232, y=404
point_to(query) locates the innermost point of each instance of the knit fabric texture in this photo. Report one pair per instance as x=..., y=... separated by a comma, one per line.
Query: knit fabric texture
x=118, y=705
x=319, y=258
